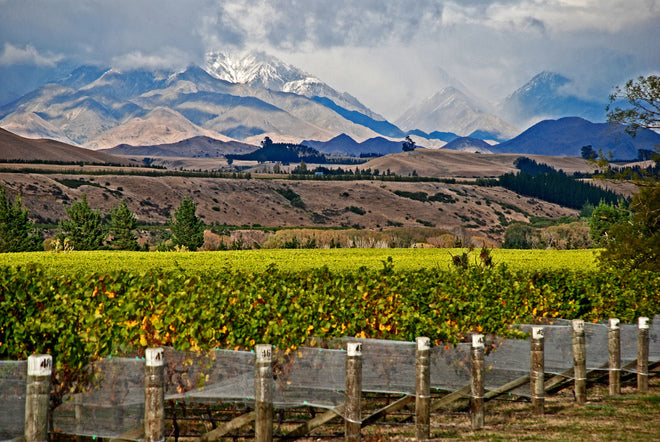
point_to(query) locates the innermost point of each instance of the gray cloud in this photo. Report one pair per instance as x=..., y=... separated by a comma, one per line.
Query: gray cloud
x=386, y=52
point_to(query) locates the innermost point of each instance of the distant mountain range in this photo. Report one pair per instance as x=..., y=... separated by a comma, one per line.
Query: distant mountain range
x=345, y=145
x=246, y=98
x=567, y=136
x=100, y=108
x=469, y=144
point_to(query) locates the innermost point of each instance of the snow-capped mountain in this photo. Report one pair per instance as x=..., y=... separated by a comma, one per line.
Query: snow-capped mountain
x=258, y=69
x=549, y=95
x=451, y=110
x=100, y=108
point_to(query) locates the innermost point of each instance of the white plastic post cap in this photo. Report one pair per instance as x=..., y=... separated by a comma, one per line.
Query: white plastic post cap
x=264, y=353
x=353, y=349
x=614, y=323
x=423, y=343
x=40, y=365
x=537, y=333
x=578, y=325
x=477, y=341
x=644, y=322
x=155, y=357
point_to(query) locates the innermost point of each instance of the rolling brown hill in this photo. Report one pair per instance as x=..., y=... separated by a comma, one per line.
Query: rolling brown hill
x=454, y=164
x=377, y=205
x=14, y=147
x=457, y=207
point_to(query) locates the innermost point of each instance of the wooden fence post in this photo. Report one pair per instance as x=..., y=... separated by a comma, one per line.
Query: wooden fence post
x=579, y=362
x=537, y=371
x=353, y=418
x=263, y=393
x=477, y=369
x=37, y=400
x=614, y=350
x=423, y=389
x=643, y=354
x=154, y=395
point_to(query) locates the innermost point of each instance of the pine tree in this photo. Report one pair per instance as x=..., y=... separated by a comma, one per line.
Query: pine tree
x=17, y=233
x=84, y=229
x=122, y=224
x=187, y=228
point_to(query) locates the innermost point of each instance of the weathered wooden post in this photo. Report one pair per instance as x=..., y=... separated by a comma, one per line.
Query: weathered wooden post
x=477, y=369
x=614, y=350
x=353, y=418
x=643, y=354
x=37, y=400
x=263, y=393
x=537, y=371
x=579, y=362
x=423, y=389
x=154, y=395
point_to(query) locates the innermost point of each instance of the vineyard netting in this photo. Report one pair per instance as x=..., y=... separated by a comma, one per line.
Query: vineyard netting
x=307, y=376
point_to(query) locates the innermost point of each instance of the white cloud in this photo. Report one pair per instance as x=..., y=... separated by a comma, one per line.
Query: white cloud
x=168, y=58
x=27, y=55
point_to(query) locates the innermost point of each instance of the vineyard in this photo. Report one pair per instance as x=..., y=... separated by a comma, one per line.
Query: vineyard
x=340, y=260
x=84, y=307
x=190, y=301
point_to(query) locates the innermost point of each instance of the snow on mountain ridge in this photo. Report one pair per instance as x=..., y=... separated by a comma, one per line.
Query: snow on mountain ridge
x=258, y=69
x=255, y=69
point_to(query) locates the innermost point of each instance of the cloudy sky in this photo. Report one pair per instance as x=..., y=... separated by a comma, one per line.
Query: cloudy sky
x=387, y=53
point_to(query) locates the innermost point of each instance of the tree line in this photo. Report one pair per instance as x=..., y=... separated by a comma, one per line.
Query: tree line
x=85, y=228
x=557, y=188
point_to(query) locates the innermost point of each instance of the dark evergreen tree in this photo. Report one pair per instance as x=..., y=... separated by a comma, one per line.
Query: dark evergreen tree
x=519, y=236
x=122, y=225
x=588, y=152
x=84, y=228
x=603, y=219
x=636, y=243
x=187, y=228
x=408, y=145
x=17, y=232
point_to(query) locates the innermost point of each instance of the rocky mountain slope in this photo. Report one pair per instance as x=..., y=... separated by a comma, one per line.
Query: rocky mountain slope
x=260, y=202
x=103, y=108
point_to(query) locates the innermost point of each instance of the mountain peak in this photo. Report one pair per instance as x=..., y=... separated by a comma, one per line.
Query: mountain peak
x=253, y=68
x=549, y=95
x=258, y=69
x=451, y=110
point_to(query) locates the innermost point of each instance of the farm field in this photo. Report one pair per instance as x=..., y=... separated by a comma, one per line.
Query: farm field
x=339, y=260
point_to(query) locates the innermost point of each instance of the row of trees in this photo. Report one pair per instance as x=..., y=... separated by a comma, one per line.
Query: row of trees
x=557, y=188
x=85, y=228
